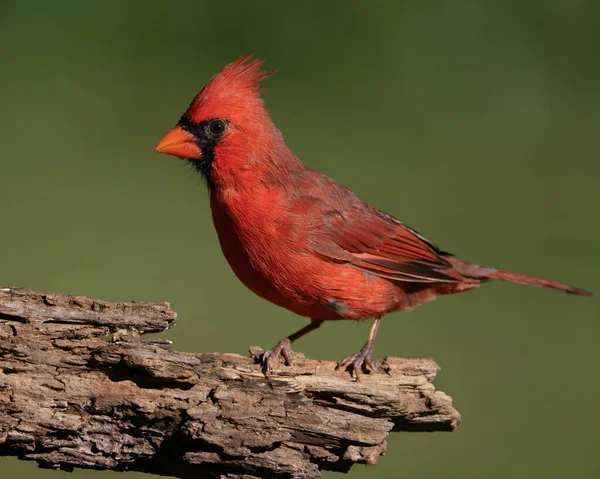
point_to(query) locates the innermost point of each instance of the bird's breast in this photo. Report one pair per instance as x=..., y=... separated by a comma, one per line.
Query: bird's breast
x=251, y=231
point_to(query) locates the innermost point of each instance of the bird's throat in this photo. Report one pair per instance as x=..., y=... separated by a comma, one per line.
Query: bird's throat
x=204, y=166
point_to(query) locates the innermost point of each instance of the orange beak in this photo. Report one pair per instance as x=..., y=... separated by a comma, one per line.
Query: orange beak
x=179, y=142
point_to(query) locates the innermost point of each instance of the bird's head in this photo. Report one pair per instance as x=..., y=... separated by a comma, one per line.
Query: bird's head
x=226, y=129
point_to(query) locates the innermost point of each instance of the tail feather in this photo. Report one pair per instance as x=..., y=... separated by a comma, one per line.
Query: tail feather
x=476, y=271
x=532, y=280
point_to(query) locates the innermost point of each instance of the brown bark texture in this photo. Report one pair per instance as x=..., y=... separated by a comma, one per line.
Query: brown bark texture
x=80, y=387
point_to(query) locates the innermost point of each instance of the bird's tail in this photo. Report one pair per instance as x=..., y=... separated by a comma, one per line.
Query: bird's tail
x=543, y=283
x=476, y=271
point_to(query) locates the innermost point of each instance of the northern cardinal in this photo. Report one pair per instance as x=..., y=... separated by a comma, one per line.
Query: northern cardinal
x=296, y=237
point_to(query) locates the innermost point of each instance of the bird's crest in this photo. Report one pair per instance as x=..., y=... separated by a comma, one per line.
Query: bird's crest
x=235, y=86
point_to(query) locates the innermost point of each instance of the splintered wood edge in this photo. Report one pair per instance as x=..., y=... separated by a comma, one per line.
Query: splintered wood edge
x=28, y=305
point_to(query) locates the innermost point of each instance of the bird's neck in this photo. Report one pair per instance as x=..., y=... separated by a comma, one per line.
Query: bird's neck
x=270, y=166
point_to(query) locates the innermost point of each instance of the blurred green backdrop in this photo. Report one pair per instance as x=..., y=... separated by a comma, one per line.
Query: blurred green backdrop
x=476, y=122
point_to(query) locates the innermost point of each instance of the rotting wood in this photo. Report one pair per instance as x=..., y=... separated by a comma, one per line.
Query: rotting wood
x=71, y=398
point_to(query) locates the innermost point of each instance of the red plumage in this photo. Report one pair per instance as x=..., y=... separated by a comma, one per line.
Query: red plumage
x=296, y=237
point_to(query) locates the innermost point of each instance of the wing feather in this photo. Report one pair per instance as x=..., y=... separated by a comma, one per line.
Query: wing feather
x=345, y=229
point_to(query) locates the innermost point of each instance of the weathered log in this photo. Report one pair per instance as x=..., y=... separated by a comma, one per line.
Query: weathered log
x=70, y=396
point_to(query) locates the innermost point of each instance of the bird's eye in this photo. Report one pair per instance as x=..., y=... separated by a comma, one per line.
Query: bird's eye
x=217, y=127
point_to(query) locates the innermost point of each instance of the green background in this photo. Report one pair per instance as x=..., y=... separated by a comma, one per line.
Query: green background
x=475, y=122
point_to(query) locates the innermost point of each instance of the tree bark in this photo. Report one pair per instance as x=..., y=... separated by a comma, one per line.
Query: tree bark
x=80, y=387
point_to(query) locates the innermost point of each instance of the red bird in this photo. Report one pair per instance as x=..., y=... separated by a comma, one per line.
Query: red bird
x=296, y=237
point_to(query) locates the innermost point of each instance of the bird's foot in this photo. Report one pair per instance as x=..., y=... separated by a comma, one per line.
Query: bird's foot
x=282, y=349
x=359, y=362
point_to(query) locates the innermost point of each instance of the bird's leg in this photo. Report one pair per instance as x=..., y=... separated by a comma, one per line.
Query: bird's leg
x=283, y=347
x=361, y=361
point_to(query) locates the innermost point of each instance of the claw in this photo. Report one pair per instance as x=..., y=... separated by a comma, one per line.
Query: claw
x=358, y=362
x=283, y=349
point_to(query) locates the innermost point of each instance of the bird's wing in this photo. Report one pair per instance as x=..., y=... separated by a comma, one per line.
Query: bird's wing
x=343, y=228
